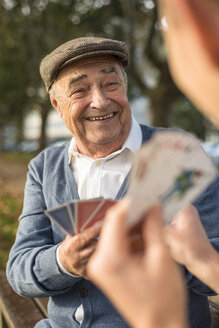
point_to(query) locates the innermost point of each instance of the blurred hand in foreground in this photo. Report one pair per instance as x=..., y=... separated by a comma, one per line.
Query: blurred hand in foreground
x=191, y=35
x=189, y=245
x=146, y=286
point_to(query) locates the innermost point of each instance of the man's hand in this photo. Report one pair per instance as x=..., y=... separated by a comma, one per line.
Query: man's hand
x=74, y=252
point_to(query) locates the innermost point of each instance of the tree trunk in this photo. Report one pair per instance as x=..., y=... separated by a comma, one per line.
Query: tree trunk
x=44, y=111
x=160, y=107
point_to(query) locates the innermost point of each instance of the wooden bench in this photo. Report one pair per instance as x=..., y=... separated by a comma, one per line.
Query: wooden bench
x=22, y=312
x=17, y=311
x=214, y=308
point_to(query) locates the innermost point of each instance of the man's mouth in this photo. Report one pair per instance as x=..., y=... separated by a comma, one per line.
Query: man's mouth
x=101, y=118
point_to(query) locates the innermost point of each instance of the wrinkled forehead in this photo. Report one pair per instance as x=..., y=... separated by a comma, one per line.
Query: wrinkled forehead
x=103, y=64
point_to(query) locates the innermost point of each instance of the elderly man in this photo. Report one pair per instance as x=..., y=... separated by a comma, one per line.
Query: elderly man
x=87, y=84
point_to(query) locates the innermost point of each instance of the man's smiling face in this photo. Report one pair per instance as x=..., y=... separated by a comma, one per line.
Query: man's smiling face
x=91, y=97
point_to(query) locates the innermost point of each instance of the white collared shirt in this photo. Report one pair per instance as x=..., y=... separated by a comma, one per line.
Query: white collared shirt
x=103, y=177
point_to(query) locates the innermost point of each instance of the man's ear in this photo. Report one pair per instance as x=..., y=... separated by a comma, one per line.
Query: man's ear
x=55, y=105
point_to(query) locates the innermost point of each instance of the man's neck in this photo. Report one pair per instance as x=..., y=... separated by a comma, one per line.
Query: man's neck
x=99, y=151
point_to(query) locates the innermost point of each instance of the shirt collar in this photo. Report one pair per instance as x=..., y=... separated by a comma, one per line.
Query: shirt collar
x=133, y=142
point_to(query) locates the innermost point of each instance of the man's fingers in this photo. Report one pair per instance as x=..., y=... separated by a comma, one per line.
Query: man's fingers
x=85, y=237
x=75, y=251
x=85, y=253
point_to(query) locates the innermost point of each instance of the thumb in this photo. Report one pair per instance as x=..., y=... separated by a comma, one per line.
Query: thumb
x=153, y=227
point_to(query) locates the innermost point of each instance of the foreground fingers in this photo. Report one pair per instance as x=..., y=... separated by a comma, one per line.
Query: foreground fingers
x=112, y=241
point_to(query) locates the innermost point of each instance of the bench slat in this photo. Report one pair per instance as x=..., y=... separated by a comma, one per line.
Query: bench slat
x=42, y=304
x=18, y=312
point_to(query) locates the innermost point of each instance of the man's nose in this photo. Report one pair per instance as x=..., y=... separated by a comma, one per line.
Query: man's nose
x=99, y=99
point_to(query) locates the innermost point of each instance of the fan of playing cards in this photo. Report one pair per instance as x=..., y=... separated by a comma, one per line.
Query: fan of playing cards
x=78, y=215
x=171, y=169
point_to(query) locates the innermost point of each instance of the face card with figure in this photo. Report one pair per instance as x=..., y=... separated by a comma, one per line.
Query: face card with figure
x=62, y=217
x=171, y=169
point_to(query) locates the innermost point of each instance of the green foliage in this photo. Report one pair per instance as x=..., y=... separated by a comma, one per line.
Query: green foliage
x=17, y=157
x=187, y=117
x=10, y=209
x=10, y=203
x=30, y=29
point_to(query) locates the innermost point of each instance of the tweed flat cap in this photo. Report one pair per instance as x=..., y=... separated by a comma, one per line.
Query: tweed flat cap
x=77, y=49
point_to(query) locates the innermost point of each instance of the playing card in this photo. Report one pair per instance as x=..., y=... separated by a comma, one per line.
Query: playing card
x=83, y=210
x=71, y=206
x=62, y=217
x=99, y=213
x=171, y=169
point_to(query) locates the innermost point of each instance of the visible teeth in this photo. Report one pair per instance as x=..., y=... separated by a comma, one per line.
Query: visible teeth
x=99, y=118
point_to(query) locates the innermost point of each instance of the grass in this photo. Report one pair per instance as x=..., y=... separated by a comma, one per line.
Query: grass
x=10, y=209
x=17, y=157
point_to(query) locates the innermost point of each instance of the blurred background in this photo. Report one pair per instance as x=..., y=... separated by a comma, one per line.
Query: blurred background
x=30, y=29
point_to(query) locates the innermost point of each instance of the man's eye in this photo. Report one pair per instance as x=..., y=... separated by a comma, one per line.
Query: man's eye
x=79, y=90
x=111, y=84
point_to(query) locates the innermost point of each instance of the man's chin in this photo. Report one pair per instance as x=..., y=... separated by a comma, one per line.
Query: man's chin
x=105, y=141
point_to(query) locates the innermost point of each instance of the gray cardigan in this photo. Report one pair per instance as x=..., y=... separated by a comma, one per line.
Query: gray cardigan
x=32, y=269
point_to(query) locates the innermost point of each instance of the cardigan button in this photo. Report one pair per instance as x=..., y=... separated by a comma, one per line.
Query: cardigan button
x=83, y=292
